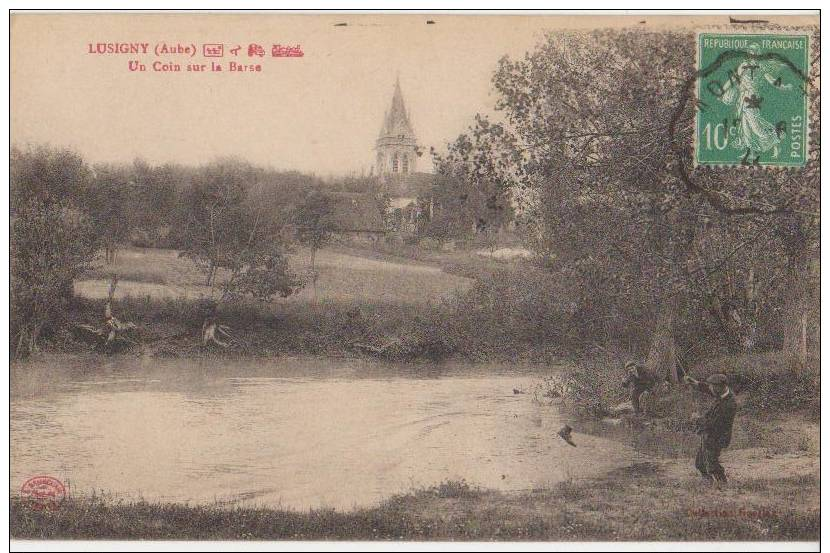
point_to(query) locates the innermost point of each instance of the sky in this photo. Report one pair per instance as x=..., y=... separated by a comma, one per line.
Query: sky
x=319, y=113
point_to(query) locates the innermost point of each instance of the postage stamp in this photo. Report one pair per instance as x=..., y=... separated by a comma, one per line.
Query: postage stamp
x=752, y=99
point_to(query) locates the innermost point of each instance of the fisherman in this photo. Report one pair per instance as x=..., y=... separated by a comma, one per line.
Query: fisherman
x=715, y=427
x=640, y=381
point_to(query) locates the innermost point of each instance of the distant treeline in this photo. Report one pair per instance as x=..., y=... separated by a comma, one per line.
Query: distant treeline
x=227, y=214
x=150, y=205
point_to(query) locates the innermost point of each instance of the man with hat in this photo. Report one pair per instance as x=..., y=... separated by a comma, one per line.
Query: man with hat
x=715, y=427
x=640, y=381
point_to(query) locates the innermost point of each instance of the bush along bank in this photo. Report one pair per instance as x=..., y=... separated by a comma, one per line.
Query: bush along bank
x=495, y=320
x=773, y=394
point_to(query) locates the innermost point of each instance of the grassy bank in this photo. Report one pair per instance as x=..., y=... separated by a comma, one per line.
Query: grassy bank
x=641, y=502
x=370, y=306
x=779, y=406
x=767, y=383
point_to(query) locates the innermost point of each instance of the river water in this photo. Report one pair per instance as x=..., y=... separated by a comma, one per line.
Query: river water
x=287, y=432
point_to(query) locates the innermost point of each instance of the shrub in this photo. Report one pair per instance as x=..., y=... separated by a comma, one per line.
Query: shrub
x=453, y=489
x=766, y=382
x=770, y=381
x=50, y=246
x=592, y=386
x=430, y=244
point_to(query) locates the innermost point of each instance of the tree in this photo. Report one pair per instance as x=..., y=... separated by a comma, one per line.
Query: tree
x=450, y=218
x=216, y=225
x=41, y=175
x=787, y=203
x=110, y=207
x=315, y=225
x=227, y=228
x=154, y=194
x=596, y=144
x=51, y=240
x=470, y=193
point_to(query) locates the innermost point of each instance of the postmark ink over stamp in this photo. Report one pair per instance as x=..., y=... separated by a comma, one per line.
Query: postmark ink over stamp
x=752, y=99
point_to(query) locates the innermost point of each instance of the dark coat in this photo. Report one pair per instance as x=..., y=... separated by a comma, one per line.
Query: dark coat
x=716, y=424
x=640, y=378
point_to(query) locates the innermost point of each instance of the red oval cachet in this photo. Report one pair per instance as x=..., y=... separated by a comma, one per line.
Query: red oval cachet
x=43, y=492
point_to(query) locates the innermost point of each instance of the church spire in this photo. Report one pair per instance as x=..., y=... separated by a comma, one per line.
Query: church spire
x=396, y=145
x=396, y=122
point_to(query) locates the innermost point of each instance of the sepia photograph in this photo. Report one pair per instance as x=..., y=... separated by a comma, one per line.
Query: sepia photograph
x=414, y=277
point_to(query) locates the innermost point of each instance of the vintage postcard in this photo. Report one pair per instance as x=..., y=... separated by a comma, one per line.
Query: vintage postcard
x=414, y=277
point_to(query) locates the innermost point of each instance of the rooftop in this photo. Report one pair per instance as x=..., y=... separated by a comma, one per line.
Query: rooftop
x=356, y=212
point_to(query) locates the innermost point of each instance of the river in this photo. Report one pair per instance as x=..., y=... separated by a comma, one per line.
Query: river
x=287, y=432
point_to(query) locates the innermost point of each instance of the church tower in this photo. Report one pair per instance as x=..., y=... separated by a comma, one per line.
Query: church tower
x=396, y=144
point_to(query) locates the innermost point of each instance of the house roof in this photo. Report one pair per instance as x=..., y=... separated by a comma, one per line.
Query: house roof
x=410, y=185
x=356, y=212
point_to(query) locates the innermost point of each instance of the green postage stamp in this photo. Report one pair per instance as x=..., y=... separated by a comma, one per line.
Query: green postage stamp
x=752, y=100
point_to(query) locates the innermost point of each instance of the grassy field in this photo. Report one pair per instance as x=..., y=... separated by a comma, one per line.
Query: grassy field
x=646, y=501
x=343, y=277
x=364, y=303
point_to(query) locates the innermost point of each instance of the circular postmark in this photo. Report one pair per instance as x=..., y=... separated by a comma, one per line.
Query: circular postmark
x=43, y=492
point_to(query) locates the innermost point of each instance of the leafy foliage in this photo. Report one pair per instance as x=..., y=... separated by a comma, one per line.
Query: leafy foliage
x=225, y=229
x=594, y=148
x=52, y=240
x=471, y=192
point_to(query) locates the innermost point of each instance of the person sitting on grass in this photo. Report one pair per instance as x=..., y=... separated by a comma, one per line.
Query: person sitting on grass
x=640, y=381
x=715, y=427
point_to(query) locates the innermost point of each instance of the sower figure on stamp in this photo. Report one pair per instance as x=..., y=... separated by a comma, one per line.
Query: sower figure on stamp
x=640, y=381
x=715, y=427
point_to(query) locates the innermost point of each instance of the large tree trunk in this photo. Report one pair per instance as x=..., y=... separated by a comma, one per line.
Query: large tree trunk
x=109, y=253
x=663, y=359
x=798, y=286
x=795, y=318
x=662, y=356
x=27, y=340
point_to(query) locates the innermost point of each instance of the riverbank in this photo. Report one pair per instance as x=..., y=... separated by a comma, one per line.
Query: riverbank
x=773, y=464
x=446, y=305
x=476, y=326
x=646, y=501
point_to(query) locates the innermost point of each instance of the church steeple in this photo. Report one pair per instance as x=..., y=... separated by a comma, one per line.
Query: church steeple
x=396, y=122
x=396, y=144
